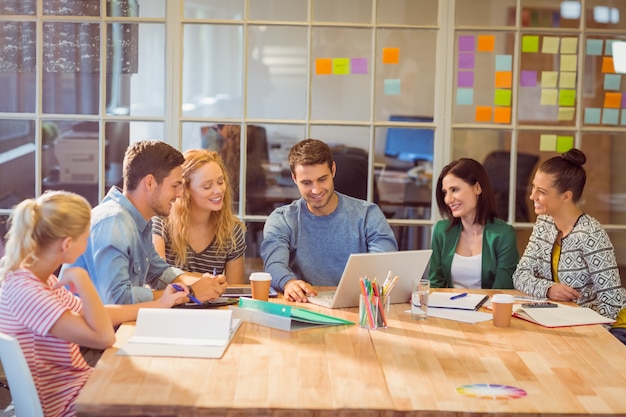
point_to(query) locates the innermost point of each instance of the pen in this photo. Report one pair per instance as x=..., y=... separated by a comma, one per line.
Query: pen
x=454, y=297
x=191, y=297
x=214, y=272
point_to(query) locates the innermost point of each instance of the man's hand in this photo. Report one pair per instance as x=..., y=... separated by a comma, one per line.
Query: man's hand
x=298, y=290
x=562, y=292
x=209, y=288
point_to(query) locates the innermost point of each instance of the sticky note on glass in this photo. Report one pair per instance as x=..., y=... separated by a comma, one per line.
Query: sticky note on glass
x=504, y=62
x=466, y=43
x=592, y=116
x=465, y=96
x=392, y=86
x=567, y=80
x=550, y=45
x=610, y=116
x=569, y=45
x=483, y=114
x=594, y=46
x=358, y=65
x=341, y=66
x=565, y=114
x=568, y=63
x=607, y=65
x=623, y=101
x=612, y=82
x=504, y=79
x=530, y=43
x=623, y=117
x=612, y=100
x=528, y=78
x=547, y=143
x=391, y=55
x=549, y=79
x=548, y=97
x=466, y=61
x=502, y=97
x=567, y=98
x=486, y=43
x=465, y=79
x=564, y=143
x=502, y=115
x=323, y=66
x=608, y=49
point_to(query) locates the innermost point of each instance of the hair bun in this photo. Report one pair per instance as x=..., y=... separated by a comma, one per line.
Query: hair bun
x=575, y=156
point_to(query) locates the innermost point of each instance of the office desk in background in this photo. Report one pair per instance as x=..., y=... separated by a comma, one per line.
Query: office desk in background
x=412, y=368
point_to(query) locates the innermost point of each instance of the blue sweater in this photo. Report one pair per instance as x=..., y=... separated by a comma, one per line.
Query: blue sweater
x=300, y=245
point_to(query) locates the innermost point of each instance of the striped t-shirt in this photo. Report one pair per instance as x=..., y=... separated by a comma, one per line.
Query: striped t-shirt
x=28, y=310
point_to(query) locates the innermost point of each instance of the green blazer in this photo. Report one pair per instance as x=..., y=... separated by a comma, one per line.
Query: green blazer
x=499, y=256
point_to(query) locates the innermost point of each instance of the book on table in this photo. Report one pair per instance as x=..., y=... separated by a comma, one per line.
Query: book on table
x=440, y=299
x=561, y=316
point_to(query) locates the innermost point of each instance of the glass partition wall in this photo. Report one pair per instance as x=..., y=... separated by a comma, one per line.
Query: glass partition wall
x=398, y=88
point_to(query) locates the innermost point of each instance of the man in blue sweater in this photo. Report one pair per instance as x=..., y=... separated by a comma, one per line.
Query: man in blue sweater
x=309, y=241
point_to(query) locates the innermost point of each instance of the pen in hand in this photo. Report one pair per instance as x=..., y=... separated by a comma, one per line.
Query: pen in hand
x=191, y=297
x=454, y=297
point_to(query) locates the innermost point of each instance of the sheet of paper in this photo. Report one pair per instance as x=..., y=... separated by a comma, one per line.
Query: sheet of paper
x=464, y=316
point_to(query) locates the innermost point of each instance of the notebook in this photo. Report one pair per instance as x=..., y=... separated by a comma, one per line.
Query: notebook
x=562, y=316
x=440, y=299
x=407, y=265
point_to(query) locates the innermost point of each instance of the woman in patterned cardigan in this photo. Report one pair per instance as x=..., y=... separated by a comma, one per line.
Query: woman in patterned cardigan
x=569, y=256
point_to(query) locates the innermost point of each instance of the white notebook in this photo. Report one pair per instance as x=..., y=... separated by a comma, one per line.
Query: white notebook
x=447, y=300
x=560, y=316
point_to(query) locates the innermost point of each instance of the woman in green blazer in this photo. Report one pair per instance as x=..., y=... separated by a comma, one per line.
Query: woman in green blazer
x=472, y=248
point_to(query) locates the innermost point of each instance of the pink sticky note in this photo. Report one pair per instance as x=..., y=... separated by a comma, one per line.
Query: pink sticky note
x=358, y=65
x=466, y=61
x=466, y=43
x=465, y=79
x=528, y=78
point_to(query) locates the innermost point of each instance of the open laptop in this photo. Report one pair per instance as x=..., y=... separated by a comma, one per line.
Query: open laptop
x=407, y=265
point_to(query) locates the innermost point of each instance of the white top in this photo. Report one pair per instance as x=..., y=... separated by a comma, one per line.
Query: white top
x=466, y=271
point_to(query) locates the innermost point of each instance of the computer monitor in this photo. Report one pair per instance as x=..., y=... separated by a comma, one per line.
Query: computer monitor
x=410, y=144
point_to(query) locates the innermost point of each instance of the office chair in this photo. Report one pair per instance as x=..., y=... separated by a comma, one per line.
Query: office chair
x=497, y=164
x=352, y=170
x=23, y=391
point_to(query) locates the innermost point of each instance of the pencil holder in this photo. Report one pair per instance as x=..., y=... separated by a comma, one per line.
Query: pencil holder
x=370, y=312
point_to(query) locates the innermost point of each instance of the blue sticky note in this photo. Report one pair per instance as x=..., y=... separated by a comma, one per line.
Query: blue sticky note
x=592, y=116
x=594, y=46
x=610, y=116
x=623, y=117
x=465, y=96
x=504, y=62
x=608, y=49
x=392, y=86
x=612, y=82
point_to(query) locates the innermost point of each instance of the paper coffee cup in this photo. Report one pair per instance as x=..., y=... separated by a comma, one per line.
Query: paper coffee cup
x=260, y=283
x=502, y=306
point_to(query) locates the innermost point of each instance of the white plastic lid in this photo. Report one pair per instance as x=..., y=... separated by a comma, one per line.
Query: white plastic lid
x=260, y=276
x=502, y=298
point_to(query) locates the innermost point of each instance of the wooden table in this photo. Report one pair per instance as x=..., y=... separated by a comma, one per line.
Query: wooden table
x=412, y=368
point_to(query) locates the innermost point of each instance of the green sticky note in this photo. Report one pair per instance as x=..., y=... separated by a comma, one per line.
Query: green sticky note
x=548, y=97
x=612, y=82
x=530, y=43
x=392, y=86
x=610, y=116
x=568, y=62
x=465, y=96
x=566, y=113
x=592, y=116
x=567, y=98
x=569, y=45
x=623, y=117
x=502, y=97
x=594, y=47
x=547, y=143
x=567, y=80
x=548, y=79
x=550, y=45
x=341, y=66
x=564, y=143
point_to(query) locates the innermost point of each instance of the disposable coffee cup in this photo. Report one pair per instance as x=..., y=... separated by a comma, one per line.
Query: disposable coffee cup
x=502, y=306
x=260, y=283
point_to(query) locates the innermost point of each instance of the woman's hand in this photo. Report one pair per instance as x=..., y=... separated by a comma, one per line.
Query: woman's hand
x=171, y=297
x=562, y=292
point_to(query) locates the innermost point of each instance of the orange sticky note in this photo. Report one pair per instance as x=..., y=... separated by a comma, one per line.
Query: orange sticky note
x=502, y=115
x=323, y=66
x=607, y=64
x=613, y=100
x=486, y=43
x=391, y=55
x=483, y=114
x=504, y=79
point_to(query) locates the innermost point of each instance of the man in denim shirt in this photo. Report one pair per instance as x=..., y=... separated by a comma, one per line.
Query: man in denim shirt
x=120, y=257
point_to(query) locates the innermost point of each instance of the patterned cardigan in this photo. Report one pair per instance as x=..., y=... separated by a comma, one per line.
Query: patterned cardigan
x=587, y=264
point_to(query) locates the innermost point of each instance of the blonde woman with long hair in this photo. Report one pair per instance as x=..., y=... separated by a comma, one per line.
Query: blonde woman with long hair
x=202, y=234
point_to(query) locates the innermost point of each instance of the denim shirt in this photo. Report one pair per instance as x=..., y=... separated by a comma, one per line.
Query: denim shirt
x=120, y=257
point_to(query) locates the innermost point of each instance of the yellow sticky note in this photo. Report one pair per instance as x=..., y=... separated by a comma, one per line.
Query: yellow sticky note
x=566, y=113
x=549, y=79
x=568, y=62
x=569, y=45
x=548, y=97
x=391, y=55
x=341, y=66
x=612, y=100
x=502, y=115
x=504, y=79
x=567, y=80
x=486, y=43
x=483, y=114
x=550, y=45
x=607, y=65
x=547, y=143
x=323, y=66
